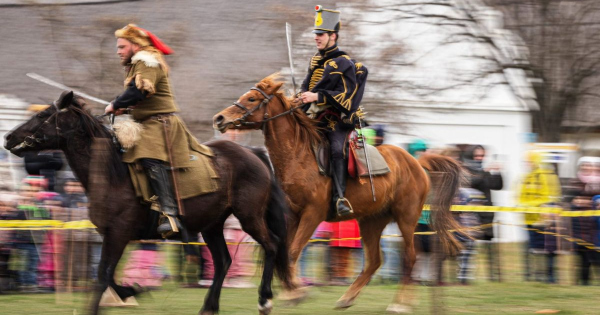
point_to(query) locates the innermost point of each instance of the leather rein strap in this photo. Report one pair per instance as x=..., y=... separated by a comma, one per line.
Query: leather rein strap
x=248, y=112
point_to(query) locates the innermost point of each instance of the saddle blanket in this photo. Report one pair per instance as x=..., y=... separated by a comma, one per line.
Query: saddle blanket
x=357, y=161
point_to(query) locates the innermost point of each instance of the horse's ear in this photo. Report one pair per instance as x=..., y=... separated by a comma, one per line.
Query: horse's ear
x=273, y=88
x=65, y=99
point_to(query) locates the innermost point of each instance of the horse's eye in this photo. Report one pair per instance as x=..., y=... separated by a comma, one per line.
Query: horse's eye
x=252, y=99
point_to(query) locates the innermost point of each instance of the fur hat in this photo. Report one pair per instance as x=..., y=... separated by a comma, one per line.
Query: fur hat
x=142, y=37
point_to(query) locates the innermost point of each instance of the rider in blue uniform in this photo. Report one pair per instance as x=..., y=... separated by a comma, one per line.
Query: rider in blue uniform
x=332, y=96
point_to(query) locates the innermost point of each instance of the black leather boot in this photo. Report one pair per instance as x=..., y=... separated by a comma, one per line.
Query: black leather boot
x=162, y=187
x=340, y=174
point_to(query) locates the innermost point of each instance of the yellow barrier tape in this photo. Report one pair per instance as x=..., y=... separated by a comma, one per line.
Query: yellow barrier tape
x=553, y=210
x=563, y=236
x=568, y=238
x=78, y=225
x=30, y=223
x=540, y=210
x=86, y=224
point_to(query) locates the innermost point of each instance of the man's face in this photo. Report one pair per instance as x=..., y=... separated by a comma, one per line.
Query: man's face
x=324, y=40
x=126, y=50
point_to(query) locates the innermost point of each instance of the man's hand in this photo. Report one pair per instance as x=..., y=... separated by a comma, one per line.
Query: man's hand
x=109, y=109
x=309, y=97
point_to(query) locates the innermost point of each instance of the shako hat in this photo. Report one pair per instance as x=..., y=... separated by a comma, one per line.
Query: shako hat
x=142, y=37
x=326, y=20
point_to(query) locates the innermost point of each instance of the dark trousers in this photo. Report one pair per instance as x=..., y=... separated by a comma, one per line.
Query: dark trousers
x=28, y=276
x=585, y=265
x=337, y=139
x=337, y=136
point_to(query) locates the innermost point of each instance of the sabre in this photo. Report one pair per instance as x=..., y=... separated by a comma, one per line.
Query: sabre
x=288, y=34
x=360, y=124
x=43, y=79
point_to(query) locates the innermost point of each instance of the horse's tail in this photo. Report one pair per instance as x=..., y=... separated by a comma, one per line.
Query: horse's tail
x=446, y=175
x=275, y=217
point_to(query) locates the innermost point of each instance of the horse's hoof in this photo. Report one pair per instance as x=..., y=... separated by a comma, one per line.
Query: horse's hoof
x=294, y=297
x=265, y=309
x=343, y=304
x=395, y=308
x=206, y=313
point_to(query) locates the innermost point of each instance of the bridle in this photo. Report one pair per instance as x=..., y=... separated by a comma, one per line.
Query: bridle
x=36, y=137
x=248, y=112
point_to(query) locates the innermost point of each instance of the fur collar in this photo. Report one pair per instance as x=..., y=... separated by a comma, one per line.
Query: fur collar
x=149, y=58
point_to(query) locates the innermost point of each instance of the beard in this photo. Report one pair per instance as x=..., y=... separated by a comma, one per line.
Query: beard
x=127, y=60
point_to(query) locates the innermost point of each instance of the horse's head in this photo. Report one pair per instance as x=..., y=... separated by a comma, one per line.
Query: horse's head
x=46, y=129
x=250, y=110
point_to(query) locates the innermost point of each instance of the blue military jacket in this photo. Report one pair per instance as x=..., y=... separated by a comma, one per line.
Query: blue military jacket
x=332, y=74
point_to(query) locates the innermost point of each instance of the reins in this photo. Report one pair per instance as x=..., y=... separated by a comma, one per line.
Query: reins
x=248, y=112
x=31, y=140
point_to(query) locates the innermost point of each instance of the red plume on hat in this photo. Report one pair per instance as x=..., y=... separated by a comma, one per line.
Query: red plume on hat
x=157, y=43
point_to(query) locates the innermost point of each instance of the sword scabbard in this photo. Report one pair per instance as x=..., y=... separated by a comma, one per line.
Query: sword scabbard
x=360, y=124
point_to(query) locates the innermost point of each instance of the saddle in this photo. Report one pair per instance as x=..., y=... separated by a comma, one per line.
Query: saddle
x=355, y=154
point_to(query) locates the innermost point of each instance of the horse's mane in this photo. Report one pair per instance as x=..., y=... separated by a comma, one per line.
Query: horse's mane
x=306, y=132
x=92, y=128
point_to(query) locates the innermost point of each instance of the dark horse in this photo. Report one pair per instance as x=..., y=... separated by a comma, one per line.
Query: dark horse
x=247, y=188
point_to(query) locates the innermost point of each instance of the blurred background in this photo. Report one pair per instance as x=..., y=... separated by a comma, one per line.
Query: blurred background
x=509, y=88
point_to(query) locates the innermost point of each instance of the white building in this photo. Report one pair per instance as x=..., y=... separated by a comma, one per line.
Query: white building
x=13, y=112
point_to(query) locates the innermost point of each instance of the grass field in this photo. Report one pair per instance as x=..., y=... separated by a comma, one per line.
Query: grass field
x=480, y=298
x=512, y=296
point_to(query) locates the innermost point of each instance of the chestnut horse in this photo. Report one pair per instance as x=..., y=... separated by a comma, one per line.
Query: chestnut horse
x=400, y=194
x=247, y=188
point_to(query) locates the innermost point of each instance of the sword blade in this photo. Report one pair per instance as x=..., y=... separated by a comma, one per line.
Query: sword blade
x=43, y=79
x=288, y=35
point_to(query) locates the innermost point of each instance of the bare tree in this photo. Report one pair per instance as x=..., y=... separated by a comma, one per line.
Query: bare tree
x=429, y=53
x=563, y=37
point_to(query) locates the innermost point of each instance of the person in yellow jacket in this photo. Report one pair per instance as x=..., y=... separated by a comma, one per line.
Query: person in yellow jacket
x=539, y=188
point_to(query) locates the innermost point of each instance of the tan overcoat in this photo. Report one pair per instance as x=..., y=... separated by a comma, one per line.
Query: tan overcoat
x=150, y=75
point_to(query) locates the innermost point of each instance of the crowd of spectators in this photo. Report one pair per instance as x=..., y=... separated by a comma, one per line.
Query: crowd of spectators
x=45, y=260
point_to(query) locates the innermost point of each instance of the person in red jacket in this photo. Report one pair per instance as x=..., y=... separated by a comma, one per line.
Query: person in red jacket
x=346, y=238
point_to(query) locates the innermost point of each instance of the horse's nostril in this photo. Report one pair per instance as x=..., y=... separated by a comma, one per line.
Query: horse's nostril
x=219, y=119
x=8, y=136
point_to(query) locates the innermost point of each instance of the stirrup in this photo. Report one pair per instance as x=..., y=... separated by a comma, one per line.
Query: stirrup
x=172, y=222
x=337, y=206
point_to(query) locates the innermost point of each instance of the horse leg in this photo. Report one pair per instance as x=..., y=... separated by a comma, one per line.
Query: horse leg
x=370, y=230
x=306, y=228
x=292, y=227
x=220, y=254
x=112, y=250
x=404, y=296
x=255, y=227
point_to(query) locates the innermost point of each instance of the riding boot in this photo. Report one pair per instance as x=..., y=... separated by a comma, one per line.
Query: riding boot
x=162, y=187
x=340, y=174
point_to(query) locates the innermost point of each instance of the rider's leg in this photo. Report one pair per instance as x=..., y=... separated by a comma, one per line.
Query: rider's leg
x=162, y=187
x=340, y=171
